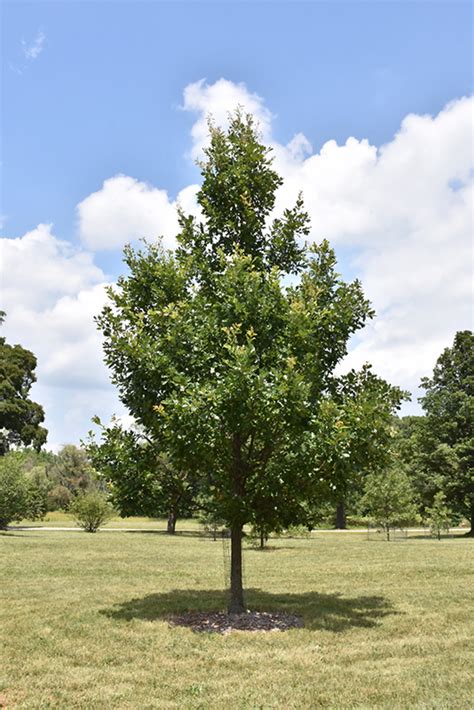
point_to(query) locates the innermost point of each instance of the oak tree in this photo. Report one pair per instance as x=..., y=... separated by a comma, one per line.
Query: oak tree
x=224, y=351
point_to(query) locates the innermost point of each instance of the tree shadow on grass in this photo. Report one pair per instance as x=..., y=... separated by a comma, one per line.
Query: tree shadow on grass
x=330, y=612
x=433, y=538
x=177, y=534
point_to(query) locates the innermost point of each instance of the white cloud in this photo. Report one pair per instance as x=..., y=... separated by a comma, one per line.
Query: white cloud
x=126, y=210
x=396, y=209
x=52, y=268
x=32, y=50
x=402, y=210
x=217, y=101
x=51, y=293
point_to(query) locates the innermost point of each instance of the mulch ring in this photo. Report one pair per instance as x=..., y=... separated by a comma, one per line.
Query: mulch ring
x=220, y=622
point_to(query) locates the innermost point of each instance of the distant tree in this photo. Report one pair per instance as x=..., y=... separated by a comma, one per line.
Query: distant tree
x=72, y=469
x=211, y=523
x=59, y=497
x=365, y=434
x=439, y=516
x=389, y=499
x=229, y=368
x=21, y=496
x=20, y=417
x=448, y=448
x=91, y=510
x=140, y=477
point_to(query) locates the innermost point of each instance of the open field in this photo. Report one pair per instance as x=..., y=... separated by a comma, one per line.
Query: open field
x=59, y=518
x=83, y=623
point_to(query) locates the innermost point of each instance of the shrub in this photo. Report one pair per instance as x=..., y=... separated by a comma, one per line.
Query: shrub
x=91, y=510
x=21, y=496
x=440, y=517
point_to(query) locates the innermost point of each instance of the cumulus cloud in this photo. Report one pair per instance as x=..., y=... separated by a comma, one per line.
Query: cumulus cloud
x=216, y=101
x=125, y=210
x=51, y=293
x=403, y=211
x=53, y=268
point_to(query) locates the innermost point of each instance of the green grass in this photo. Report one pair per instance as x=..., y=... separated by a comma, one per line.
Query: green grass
x=59, y=518
x=83, y=623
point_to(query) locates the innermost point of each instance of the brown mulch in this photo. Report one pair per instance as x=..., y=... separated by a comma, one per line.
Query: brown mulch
x=220, y=622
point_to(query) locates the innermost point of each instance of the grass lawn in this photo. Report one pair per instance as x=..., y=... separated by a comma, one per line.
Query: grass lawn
x=59, y=518
x=83, y=623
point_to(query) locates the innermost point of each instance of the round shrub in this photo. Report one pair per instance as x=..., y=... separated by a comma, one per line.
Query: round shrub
x=91, y=510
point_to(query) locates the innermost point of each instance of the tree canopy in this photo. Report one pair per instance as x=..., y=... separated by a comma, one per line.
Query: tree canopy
x=447, y=448
x=140, y=477
x=20, y=417
x=225, y=351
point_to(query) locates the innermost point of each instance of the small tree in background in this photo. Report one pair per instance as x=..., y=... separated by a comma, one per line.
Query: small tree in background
x=140, y=478
x=211, y=523
x=91, y=510
x=20, y=417
x=449, y=406
x=21, y=496
x=440, y=517
x=389, y=499
x=71, y=469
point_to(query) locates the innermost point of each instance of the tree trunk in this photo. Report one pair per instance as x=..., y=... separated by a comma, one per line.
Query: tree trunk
x=388, y=533
x=341, y=516
x=171, y=526
x=262, y=539
x=236, y=604
x=471, y=531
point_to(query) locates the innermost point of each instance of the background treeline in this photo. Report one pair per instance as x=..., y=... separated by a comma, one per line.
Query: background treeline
x=33, y=483
x=428, y=479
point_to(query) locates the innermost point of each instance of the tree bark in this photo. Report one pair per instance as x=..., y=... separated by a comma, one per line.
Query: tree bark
x=236, y=604
x=262, y=539
x=471, y=531
x=341, y=516
x=171, y=526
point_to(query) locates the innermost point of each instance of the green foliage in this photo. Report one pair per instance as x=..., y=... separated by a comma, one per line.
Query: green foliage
x=440, y=517
x=389, y=499
x=138, y=475
x=211, y=524
x=229, y=371
x=91, y=510
x=448, y=447
x=72, y=470
x=20, y=417
x=22, y=493
x=59, y=498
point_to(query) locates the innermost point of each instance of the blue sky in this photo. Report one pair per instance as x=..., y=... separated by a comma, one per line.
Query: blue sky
x=95, y=89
